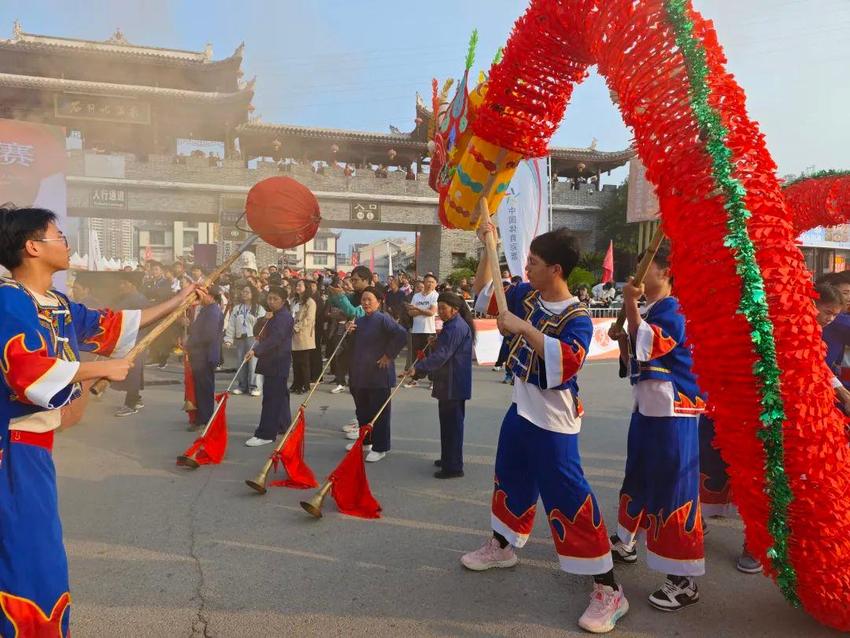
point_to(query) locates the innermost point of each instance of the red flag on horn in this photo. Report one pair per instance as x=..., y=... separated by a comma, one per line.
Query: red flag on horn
x=190, y=406
x=350, y=487
x=300, y=476
x=608, y=264
x=209, y=449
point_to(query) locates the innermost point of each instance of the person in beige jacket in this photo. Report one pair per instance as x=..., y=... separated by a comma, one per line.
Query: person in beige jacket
x=303, y=338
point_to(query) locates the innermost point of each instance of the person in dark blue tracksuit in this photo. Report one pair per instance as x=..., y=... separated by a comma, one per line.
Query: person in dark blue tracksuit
x=204, y=348
x=377, y=341
x=274, y=357
x=450, y=363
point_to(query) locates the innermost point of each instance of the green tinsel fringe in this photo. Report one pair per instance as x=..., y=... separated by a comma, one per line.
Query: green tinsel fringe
x=753, y=300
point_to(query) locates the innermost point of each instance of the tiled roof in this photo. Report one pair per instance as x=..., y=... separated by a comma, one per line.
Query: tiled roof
x=117, y=46
x=263, y=128
x=33, y=82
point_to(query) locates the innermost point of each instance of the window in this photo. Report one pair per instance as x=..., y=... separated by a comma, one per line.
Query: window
x=320, y=260
x=320, y=243
x=190, y=224
x=190, y=239
x=458, y=259
x=156, y=237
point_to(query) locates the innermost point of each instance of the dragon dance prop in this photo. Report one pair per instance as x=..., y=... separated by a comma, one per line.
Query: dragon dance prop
x=741, y=278
x=822, y=199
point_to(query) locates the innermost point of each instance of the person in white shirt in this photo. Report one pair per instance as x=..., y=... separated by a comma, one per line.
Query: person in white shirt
x=239, y=331
x=423, y=310
x=537, y=456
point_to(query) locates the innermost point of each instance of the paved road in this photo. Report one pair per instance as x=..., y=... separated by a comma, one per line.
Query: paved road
x=156, y=550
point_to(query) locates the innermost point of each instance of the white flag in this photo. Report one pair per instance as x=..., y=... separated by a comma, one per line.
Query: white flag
x=94, y=256
x=524, y=212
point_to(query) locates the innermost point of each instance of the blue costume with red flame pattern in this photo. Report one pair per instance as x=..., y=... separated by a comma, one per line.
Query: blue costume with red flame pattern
x=660, y=493
x=41, y=339
x=538, y=454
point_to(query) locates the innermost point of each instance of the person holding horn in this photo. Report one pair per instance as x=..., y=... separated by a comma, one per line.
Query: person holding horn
x=537, y=454
x=203, y=346
x=660, y=492
x=273, y=351
x=41, y=336
x=450, y=364
x=377, y=340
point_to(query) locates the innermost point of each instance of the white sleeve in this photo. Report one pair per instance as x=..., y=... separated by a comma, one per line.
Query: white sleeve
x=482, y=302
x=643, y=341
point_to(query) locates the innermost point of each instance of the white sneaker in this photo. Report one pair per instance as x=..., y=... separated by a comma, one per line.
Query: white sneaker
x=352, y=425
x=366, y=446
x=353, y=435
x=411, y=384
x=496, y=368
x=255, y=442
x=237, y=392
x=339, y=388
x=374, y=457
x=605, y=609
x=256, y=393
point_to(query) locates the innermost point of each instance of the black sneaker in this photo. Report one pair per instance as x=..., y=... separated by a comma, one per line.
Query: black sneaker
x=676, y=593
x=621, y=553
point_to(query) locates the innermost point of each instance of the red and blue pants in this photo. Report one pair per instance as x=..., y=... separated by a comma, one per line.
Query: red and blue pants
x=534, y=463
x=660, y=493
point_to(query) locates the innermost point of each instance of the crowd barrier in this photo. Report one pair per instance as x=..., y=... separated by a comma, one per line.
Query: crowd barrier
x=489, y=340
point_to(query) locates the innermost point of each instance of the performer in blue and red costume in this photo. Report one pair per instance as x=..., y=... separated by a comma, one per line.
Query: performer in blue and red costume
x=41, y=334
x=660, y=493
x=538, y=454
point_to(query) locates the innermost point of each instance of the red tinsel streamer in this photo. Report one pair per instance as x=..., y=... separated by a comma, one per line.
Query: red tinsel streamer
x=819, y=201
x=635, y=50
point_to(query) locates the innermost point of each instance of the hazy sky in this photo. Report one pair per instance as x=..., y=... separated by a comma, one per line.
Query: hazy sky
x=358, y=65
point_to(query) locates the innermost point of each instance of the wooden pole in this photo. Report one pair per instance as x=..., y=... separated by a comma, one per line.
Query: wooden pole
x=99, y=387
x=643, y=266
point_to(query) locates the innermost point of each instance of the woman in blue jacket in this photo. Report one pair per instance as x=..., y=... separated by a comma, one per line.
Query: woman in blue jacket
x=450, y=364
x=377, y=341
x=204, y=348
x=274, y=357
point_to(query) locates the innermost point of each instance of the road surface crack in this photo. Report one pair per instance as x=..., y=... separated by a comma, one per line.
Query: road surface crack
x=200, y=625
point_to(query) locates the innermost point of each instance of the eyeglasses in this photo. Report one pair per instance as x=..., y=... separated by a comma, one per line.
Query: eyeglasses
x=63, y=239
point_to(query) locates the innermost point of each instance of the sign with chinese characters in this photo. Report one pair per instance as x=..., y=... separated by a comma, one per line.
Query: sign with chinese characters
x=14, y=153
x=363, y=211
x=524, y=212
x=108, y=198
x=80, y=106
x=643, y=204
x=231, y=209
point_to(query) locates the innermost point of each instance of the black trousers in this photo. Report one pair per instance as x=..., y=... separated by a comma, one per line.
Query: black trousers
x=275, y=416
x=340, y=363
x=452, y=413
x=300, y=368
x=315, y=362
x=135, y=382
x=204, y=375
x=367, y=402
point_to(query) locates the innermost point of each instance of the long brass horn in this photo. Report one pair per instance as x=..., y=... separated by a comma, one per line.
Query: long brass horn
x=258, y=483
x=314, y=505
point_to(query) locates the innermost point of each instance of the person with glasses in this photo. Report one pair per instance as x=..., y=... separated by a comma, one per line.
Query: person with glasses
x=41, y=336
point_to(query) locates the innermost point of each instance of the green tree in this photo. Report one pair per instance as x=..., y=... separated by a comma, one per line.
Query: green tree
x=612, y=222
x=456, y=275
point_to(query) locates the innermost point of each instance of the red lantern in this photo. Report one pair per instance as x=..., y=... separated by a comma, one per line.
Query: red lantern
x=283, y=212
x=392, y=154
